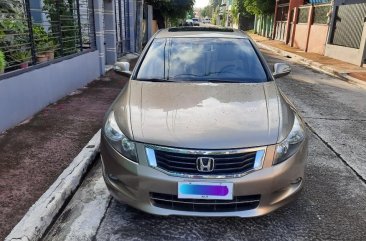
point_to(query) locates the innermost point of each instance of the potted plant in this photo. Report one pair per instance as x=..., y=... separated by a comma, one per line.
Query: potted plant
x=22, y=57
x=41, y=40
x=50, y=52
x=2, y=62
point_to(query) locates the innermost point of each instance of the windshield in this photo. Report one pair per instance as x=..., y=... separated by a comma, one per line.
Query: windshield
x=202, y=59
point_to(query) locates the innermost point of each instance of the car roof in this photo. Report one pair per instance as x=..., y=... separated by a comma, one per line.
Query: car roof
x=202, y=32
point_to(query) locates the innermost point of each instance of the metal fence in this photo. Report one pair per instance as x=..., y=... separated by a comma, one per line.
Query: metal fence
x=303, y=15
x=321, y=14
x=38, y=31
x=348, y=27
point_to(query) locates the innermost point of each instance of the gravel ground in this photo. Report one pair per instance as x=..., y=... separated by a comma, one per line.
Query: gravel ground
x=35, y=153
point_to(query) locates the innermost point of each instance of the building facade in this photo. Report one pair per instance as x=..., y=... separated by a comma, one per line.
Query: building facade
x=303, y=24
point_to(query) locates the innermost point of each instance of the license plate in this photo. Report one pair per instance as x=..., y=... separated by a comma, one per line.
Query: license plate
x=205, y=190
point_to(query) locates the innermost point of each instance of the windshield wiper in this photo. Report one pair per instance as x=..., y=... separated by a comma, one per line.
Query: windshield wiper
x=220, y=81
x=154, y=80
x=185, y=75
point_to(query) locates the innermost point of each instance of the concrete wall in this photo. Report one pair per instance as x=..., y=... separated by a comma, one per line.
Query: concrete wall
x=310, y=37
x=24, y=95
x=301, y=35
x=318, y=38
x=350, y=55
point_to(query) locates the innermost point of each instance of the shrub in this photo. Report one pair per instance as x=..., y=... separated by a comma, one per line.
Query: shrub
x=2, y=61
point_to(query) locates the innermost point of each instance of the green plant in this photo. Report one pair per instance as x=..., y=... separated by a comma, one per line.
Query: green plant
x=2, y=61
x=172, y=10
x=61, y=13
x=51, y=45
x=21, y=56
x=40, y=38
x=259, y=6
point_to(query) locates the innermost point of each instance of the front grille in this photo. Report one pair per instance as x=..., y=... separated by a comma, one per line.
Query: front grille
x=239, y=203
x=224, y=164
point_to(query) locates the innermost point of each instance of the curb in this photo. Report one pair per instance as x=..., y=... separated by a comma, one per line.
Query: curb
x=41, y=215
x=313, y=64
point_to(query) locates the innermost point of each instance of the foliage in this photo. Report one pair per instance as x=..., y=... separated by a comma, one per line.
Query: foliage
x=42, y=39
x=215, y=15
x=259, y=6
x=224, y=18
x=13, y=25
x=2, y=61
x=21, y=56
x=14, y=32
x=61, y=13
x=207, y=11
x=172, y=9
x=12, y=7
x=238, y=9
x=191, y=14
x=14, y=35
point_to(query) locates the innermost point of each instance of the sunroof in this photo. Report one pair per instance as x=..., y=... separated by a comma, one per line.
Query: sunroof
x=200, y=29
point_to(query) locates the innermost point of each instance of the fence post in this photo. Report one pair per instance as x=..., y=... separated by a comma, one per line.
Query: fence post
x=30, y=29
x=79, y=24
x=310, y=22
x=99, y=33
x=110, y=40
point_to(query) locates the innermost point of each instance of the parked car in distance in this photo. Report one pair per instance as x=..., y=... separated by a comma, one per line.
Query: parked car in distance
x=202, y=129
x=189, y=22
x=206, y=20
x=196, y=22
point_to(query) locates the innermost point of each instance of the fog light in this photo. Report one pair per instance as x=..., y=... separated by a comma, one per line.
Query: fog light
x=297, y=180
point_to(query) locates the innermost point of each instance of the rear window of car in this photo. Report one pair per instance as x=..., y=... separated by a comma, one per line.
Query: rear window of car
x=202, y=59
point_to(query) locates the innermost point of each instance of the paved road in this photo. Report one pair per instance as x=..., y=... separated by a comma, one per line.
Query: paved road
x=332, y=205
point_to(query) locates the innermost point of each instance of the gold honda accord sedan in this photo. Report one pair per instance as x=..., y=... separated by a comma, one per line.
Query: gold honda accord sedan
x=202, y=129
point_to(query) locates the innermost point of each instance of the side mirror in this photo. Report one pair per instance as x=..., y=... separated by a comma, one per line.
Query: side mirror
x=281, y=70
x=123, y=68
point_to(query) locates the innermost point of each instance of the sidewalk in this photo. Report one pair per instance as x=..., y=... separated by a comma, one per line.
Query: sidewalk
x=325, y=64
x=36, y=152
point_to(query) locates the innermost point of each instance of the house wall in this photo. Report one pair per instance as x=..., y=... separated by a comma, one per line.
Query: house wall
x=309, y=37
x=24, y=95
x=350, y=55
x=318, y=38
x=301, y=36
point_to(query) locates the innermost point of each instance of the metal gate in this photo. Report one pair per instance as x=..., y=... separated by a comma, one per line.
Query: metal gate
x=348, y=27
x=281, y=23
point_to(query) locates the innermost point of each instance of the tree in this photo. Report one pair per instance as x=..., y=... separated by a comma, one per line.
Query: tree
x=207, y=11
x=238, y=9
x=171, y=10
x=259, y=6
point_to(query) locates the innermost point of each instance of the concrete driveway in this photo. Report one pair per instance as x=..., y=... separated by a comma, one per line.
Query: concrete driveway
x=332, y=205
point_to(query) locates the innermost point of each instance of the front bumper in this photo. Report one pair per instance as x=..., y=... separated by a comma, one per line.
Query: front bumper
x=132, y=183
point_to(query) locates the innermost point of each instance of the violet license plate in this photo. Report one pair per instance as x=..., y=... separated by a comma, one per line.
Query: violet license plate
x=205, y=190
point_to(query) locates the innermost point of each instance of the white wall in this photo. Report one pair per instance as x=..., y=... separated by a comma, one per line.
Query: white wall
x=26, y=94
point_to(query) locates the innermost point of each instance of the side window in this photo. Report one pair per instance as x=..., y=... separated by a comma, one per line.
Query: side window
x=153, y=65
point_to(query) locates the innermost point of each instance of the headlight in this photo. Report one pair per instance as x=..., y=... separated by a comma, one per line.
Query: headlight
x=290, y=145
x=118, y=140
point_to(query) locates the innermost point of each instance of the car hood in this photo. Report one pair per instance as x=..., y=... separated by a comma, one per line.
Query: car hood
x=204, y=116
